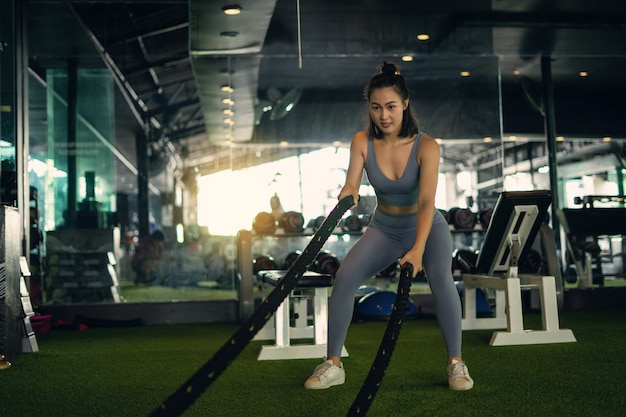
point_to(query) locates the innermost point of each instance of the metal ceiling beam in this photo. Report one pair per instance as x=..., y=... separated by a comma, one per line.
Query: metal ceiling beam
x=555, y=20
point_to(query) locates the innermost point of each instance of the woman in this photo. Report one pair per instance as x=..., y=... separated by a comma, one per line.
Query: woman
x=402, y=165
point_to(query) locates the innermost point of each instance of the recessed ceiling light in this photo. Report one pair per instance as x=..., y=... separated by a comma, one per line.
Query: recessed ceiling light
x=232, y=10
x=229, y=34
x=228, y=101
x=583, y=73
x=227, y=88
x=423, y=36
x=407, y=58
x=465, y=73
x=228, y=112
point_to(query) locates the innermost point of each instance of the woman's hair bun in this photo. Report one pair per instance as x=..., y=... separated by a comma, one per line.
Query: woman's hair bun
x=389, y=69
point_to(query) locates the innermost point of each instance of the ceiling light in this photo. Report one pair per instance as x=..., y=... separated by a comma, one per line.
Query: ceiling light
x=583, y=73
x=407, y=58
x=284, y=143
x=517, y=72
x=423, y=37
x=606, y=139
x=228, y=101
x=560, y=138
x=512, y=138
x=229, y=34
x=232, y=10
x=465, y=73
x=228, y=112
x=487, y=139
x=227, y=88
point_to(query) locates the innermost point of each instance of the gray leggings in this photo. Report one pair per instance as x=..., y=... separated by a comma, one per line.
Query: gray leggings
x=386, y=240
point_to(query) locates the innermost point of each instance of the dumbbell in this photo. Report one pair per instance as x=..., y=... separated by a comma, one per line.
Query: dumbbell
x=290, y=259
x=351, y=224
x=462, y=218
x=264, y=223
x=293, y=222
x=263, y=263
x=316, y=222
x=464, y=261
x=532, y=263
x=326, y=263
x=484, y=217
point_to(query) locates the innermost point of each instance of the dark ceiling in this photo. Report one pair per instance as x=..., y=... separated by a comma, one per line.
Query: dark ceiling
x=171, y=57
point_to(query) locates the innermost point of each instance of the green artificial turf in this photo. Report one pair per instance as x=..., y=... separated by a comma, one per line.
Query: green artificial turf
x=130, y=371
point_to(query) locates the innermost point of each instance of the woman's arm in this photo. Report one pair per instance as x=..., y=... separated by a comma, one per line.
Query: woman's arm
x=358, y=151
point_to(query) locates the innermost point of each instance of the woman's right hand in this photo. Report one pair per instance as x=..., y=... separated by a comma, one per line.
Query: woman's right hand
x=345, y=193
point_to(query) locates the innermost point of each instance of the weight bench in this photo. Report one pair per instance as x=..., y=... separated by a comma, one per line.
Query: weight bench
x=516, y=219
x=291, y=320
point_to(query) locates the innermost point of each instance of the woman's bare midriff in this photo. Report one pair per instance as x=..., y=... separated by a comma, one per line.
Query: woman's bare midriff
x=397, y=210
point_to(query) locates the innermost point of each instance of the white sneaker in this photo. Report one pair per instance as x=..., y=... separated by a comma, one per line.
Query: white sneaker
x=326, y=375
x=458, y=377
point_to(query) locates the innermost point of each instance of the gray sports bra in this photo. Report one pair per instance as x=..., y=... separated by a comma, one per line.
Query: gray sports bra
x=400, y=192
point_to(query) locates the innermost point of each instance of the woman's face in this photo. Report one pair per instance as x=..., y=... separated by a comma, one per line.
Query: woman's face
x=386, y=108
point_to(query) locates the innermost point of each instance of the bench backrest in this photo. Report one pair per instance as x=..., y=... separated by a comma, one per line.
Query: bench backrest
x=517, y=213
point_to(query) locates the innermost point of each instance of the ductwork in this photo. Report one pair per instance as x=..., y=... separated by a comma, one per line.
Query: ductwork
x=224, y=52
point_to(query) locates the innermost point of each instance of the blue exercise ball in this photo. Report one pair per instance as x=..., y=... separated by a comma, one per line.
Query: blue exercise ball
x=378, y=305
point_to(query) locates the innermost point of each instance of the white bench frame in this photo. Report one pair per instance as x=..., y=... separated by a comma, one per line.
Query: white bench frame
x=279, y=327
x=508, y=292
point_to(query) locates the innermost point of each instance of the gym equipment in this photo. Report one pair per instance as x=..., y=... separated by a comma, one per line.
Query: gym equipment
x=264, y=223
x=516, y=220
x=484, y=217
x=462, y=218
x=378, y=305
x=290, y=259
x=532, y=262
x=186, y=394
x=351, y=224
x=326, y=263
x=316, y=222
x=291, y=318
x=374, y=378
x=463, y=261
x=482, y=303
x=588, y=223
x=293, y=222
x=262, y=263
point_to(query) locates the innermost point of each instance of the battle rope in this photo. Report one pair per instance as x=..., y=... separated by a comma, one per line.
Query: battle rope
x=182, y=398
x=366, y=395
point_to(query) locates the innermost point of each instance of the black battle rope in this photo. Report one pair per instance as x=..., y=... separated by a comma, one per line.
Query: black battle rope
x=182, y=398
x=366, y=395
